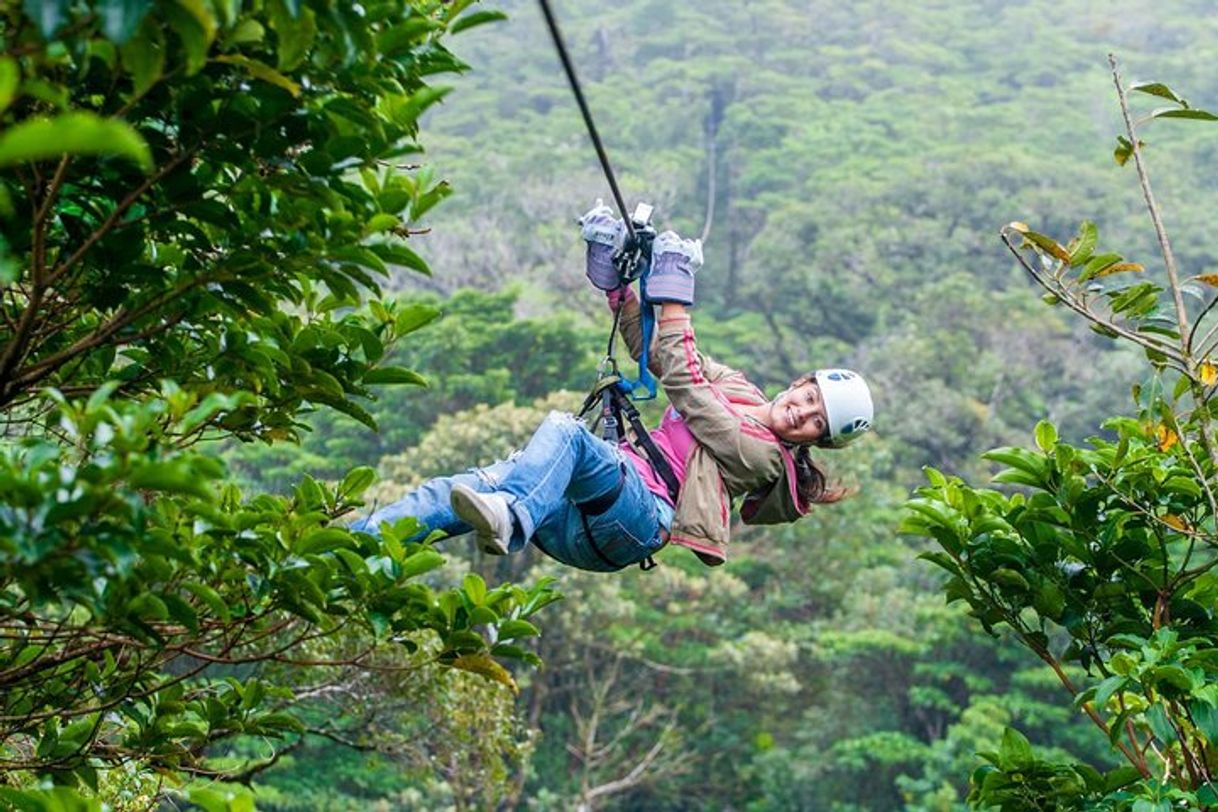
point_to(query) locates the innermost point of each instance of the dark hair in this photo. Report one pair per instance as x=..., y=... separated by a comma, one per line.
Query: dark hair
x=812, y=483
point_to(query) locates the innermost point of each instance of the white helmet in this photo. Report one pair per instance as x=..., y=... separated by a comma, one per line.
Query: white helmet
x=848, y=405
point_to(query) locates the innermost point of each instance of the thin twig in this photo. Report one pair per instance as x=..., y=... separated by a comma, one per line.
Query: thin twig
x=1169, y=258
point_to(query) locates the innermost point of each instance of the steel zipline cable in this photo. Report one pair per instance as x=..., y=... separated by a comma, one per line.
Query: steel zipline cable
x=608, y=392
x=569, y=68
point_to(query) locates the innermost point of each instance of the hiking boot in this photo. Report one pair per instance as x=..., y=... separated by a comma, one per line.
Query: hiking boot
x=489, y=515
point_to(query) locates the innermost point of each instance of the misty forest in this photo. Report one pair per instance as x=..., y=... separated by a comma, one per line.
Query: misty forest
x=269, y=266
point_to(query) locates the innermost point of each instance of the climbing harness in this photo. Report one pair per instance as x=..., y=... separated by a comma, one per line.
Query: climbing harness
x=613, y=391
x=616, y=405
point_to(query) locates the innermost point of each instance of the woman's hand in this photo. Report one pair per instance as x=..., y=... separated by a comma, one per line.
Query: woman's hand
x=604, y=234
x=674, y=262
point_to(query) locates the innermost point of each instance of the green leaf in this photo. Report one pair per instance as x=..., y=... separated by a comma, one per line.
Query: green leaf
x=1106, y=689
x=1205, y=717
x=1160, y=724
x=426, y=201
x=258, y=70
x=1155, y=89
x=1016, y=751
x=202, y=13
x=295, y=31
x=170, y=476
x=210, y=598
x=148, y=607
x=181, y=611
x=246, y=32
x=512, y=629
x=349, y=408
x=406, y=114
x=189, y=20
x=144, y=57
x=1200, y=115
x=280, y=721
x=477, y=18
x=1009, y=578
x=1049, y=601
x=401, y=255
x=77, y=133
x=120, y=18
x=1121, y=777
x=1088, y=236
x=414, y=316
x=362, y=256
x=324, y=540
x=406, y=35
x=1124, y=149
x=1046, y=436
x=382, y=222
x=1169, y=679
x=1096, y=264
x=1016, y=457
x=423, y=561
x=356, y=481
x=394, y=375
x=943, y=560
x=10, y=79
x=475, y=587
x=483, y=616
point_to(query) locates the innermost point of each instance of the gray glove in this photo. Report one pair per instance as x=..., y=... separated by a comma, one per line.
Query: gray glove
x=674, y=262
x=604, y=234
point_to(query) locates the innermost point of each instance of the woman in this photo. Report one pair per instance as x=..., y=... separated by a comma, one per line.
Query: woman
x=601, y=507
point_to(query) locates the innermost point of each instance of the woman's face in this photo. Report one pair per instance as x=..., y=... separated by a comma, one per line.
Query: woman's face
x=798, y=414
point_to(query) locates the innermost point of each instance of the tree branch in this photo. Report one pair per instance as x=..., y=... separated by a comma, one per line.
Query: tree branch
x=1169, y=259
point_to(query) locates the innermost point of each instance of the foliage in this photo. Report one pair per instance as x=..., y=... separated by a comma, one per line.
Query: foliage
x=250, y=123
x=1103, y=559
x=476, y=352
x=859, y=157
x=196, y=197
x=412, y=734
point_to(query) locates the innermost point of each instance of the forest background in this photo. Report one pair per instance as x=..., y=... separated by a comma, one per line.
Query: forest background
x=864, y=156
x=849, y=166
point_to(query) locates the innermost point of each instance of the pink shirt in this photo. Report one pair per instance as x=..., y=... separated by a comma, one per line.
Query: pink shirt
x=673, y=438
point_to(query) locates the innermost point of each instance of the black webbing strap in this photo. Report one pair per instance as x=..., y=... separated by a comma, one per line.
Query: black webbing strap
x=595, y=507
x=623, y=407
x=659, y=463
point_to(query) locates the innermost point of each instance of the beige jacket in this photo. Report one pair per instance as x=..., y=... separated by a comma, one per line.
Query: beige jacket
x=734, y=455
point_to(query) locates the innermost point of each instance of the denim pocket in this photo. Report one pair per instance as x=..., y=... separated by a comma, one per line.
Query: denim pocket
x=619, y=543
x=624, y=533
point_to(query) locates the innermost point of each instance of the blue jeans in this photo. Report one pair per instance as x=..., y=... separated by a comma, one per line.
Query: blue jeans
x=563, y=465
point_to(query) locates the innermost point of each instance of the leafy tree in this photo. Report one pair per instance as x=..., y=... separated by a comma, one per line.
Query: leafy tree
x=476, y=352
x=1104, y=559
x=195, y=199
